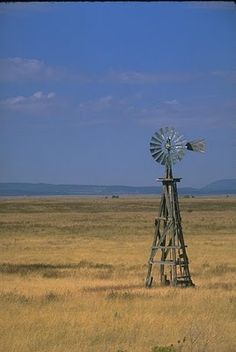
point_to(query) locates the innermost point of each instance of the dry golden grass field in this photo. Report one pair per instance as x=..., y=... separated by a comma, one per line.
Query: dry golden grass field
x=73, y=270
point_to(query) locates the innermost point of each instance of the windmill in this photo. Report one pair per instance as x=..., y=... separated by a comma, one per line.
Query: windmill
x=168, y=249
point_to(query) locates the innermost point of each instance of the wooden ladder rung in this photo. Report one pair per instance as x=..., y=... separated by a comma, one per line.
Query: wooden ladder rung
x=185, y=282
x=161, y=218
x=164, y=262
x=167, y=247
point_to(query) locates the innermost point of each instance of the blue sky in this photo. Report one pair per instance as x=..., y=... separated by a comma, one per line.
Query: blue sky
x=85, y=85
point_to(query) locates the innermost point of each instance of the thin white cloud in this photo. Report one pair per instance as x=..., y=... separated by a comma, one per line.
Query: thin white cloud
x=225, y=74
x=110, y=109
x=23, y=8
x=138, y=77
x=132, y=77
x=171, y=102
x=96, y=111
x=97, y=105
x=22, y=69
x=194, y=114
x=17, y=68
x=36, y=103
x=169, y=109
x=212, y=5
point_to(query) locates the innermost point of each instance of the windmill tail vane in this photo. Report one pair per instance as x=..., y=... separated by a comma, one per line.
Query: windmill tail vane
x=168, y=250
x=197, y=145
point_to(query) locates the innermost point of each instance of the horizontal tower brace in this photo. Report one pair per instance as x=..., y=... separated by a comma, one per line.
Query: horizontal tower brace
x=168, y=247
x=167, y=262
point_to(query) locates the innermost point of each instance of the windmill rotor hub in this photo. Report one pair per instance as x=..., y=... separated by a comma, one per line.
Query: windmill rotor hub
x=168, y=144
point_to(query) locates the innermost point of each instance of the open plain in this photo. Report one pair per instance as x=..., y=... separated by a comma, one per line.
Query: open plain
x=73, y=270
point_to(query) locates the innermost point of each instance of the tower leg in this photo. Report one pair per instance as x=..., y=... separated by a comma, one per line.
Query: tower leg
x=149, y=278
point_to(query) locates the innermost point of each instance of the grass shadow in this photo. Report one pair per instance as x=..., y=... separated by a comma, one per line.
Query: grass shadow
x=26, y=269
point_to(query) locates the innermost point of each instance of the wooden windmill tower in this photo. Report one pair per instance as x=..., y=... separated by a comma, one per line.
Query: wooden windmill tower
x=168, y=249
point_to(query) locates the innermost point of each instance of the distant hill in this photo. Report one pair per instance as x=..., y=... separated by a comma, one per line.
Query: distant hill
x=43, y=189
x=221, y=186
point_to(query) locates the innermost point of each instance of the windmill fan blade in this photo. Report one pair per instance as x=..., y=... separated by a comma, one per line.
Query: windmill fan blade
x=172, y=133
x=155, y=139
x=158, y=137
x=197, y=145
x=156, y=154
x=155, y=145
